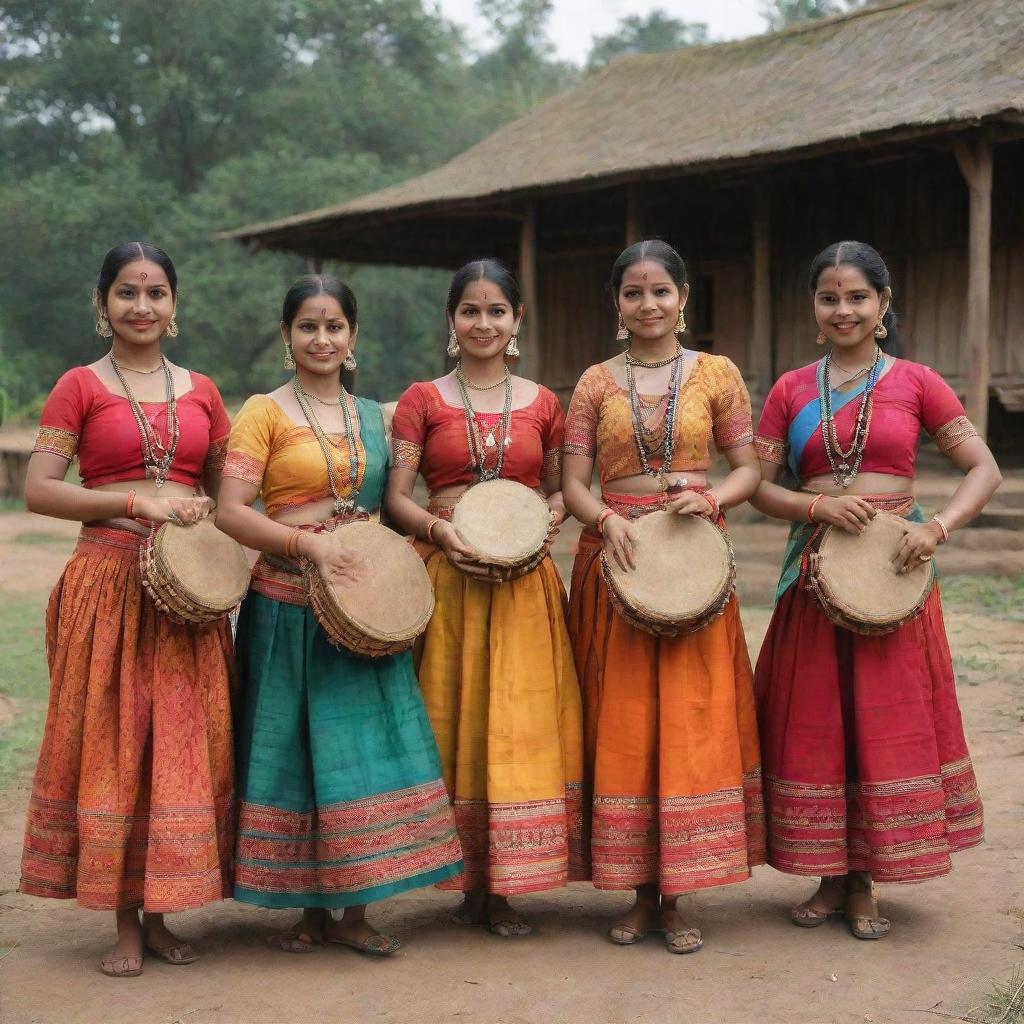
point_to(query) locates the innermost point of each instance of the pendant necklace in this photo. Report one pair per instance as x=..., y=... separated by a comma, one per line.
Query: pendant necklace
x=156, y=457
x=342, y=505
x=477, y=444
x=845, y=463
x=646, y=449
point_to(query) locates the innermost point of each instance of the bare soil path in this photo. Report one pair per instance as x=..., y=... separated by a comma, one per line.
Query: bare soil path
x=952, y=938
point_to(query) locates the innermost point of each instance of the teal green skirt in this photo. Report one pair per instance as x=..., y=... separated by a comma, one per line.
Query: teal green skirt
x=341, y=796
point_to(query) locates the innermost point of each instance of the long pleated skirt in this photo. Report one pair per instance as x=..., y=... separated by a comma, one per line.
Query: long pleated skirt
x=133, y=797
x=497, y=675
x=341, y=796
x=671, y=744
x=866, y=765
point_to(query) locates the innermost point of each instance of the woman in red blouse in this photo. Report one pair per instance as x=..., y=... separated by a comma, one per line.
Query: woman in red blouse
x=132, y=802
x=867, y=776
x=495, y=664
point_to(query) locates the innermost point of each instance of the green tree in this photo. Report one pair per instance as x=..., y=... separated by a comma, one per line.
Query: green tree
x=655, y=33
x=780, y=14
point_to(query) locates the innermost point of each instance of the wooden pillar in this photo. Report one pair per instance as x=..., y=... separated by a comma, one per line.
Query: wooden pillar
x=634, y=214
x=975, y=160
x=760, y=364
x=530, y=337
x=314, y=265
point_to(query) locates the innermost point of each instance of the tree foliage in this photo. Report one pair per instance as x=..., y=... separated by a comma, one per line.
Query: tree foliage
x=780, y=14
x=655, y=33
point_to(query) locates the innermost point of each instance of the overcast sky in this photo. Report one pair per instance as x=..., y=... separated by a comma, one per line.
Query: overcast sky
x=575, y=22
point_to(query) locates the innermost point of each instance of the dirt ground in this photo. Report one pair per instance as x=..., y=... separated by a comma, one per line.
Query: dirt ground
x=952, y=939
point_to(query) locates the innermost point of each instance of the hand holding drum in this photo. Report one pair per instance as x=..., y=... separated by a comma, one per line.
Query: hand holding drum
x=336, y=563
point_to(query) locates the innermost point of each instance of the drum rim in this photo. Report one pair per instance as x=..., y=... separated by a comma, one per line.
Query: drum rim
x=166, y=579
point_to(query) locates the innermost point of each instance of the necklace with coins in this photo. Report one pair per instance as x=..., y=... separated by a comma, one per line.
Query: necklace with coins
x=648, y=445
x=478, y=444
x=157, y=457
x=342, y=505
x=845, y=463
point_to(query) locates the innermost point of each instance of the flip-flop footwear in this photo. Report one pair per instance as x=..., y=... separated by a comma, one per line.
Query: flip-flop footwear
x=372, y=945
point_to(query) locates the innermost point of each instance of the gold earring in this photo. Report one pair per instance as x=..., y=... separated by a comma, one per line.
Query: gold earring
x=820, y=339
x=289, y=359
x=881, y=331
x=681, y=323
x=453, y=343
x=622, y=334
x=103, y=328
x=349, y=362
x=172, y=328
x=512, y=351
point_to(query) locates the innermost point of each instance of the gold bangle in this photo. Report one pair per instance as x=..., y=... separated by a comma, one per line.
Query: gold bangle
x=943, y=527
x=430, y=529
x=602, y=517
x=291, y=544
x=129, y=505
x=810, y=508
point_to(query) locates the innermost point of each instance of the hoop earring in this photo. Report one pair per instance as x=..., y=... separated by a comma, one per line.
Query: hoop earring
x=512, y=349
x=349, y=362
x=453, y=343
x=820, y=339
x=103, y=328
x=172, y=328
x=680, y=327
x=289, y=359
x=881, y=331
x=622, y=334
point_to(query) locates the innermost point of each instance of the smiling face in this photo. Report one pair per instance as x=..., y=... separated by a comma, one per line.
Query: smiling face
x=140, y=303
x=320, y=336
x=483, y=320
x=846, y=306
x=650, y=301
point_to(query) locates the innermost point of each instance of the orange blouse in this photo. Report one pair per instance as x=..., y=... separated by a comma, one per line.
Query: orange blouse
x=713, y=404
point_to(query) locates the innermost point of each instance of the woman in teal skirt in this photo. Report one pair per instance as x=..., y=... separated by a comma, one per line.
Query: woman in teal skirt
x=342, y=802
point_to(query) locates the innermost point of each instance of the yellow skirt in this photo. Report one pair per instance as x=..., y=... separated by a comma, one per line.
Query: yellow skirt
x=496, y=669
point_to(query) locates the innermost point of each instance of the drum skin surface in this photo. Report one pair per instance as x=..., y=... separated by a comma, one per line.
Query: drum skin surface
x=505, y=521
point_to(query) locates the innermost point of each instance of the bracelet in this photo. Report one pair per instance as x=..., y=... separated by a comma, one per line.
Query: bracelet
x=810, y=509
x=430, y=529
x=943, y=527
x=129, y=505
x=291, y=545
x=716, y=509
x=602, y=516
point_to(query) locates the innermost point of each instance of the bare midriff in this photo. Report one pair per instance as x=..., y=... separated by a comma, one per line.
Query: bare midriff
x=864, y=483
x=308, y=515
x=170, y=489
x=643, y=484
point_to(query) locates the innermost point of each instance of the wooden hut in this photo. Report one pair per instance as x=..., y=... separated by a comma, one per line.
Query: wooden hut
x=901, y=124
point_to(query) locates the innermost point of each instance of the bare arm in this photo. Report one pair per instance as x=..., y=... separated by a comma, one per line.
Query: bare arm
x=847, y=511
x=735, y=489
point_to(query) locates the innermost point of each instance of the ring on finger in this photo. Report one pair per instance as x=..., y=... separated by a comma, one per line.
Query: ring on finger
x=173, y=517
x=924, y=558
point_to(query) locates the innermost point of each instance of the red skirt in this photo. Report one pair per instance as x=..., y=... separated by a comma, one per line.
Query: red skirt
x=865, y=763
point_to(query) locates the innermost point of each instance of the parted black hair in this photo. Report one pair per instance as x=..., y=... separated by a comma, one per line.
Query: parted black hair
x=309, y=285
x=650, y=249
x=130, y=252
x=488, y=269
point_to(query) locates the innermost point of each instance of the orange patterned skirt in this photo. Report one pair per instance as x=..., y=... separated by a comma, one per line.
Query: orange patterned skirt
x=671, y=745
x=133, y=798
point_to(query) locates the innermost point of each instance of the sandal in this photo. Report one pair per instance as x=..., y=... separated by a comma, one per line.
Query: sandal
x=295, y=941
x=121, y=966
x=503, y=921
x=371, y=945
x=803, y=915
x=178, y=953
x=626, y=935
x=863, y=925
x=689, y=940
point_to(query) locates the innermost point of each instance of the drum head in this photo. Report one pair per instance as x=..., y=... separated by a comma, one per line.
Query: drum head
x=683, y=567
x=505, y=521
x=203, y=563
x=857, y=576
x=394, y=601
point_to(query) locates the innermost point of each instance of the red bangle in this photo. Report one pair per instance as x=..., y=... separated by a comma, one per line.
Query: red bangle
x=716, y=509
x=129, y=505
x=601, y=518
x=810, y=509
x=430, y=529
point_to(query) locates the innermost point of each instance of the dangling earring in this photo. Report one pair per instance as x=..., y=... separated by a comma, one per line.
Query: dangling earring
x=172, y=328
x=103, y=328
x=512, y=350
x=622, y=334
x=349, y=362
x=289, y=359
x=453, y=343
x=820, y=339
x=881, y=331
x=681, y=323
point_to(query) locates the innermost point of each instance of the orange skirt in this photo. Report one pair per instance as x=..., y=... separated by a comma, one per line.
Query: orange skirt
x=671, y=745
x=133, y=798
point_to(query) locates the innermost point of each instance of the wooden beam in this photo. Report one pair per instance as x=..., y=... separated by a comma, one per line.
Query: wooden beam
x=759, y=368
x=529, y=338
x=634, y=213
x=975, y=160
x=314, y=265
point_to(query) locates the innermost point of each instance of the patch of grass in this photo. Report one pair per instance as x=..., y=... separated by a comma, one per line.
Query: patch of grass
x=35, y=539
x=999, y=595
x=967, y=668
x=1007, y=999
x=23, y=681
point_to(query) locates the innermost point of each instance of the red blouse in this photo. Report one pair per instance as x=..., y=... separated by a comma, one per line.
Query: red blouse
x=429, y=436
x=83, y=417
x=907, y=398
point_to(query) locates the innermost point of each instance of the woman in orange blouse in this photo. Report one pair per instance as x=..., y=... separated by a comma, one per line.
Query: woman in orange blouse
x=495, y=664
x=671, y=735
x=133, y=798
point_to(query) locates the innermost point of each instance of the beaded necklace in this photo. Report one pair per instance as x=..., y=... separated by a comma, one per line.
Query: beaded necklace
x=477, y=445
x=156, y=458
x=845, y=470
x=667, y=444
x=341, y=505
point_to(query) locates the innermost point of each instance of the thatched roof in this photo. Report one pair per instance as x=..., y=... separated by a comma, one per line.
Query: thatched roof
x=915, y=65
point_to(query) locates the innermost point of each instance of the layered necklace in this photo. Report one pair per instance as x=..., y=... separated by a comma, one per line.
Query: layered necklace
x=341, y=505
x=478, y=444
x=648, y=446
x=156, y=457
x=845, y=463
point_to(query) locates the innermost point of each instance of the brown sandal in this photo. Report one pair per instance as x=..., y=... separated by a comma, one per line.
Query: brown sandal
x=121, y=966
x=867, y=926
x=295, y=941
x=689, y=940
x=803, y=915
x=179, y=954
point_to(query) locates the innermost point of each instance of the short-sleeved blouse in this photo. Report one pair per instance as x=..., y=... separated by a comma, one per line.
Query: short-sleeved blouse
x=429, y=436
x=83, y=417
x=285, y=461
x=713, y=405
x=907, y=398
